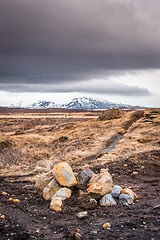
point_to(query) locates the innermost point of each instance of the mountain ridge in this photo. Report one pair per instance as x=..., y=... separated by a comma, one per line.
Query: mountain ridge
x=80, y=103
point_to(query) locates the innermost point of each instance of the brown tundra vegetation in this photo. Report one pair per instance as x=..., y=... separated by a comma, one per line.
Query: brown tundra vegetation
x=125, y=142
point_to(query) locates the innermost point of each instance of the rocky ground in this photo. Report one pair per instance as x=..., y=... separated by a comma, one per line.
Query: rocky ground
x=128, y=146
x=31, y=218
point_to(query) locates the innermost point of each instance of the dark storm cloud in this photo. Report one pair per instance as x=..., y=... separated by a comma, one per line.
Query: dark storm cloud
x=59, y=41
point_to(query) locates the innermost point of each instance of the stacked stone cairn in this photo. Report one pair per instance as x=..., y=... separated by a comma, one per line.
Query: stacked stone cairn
x=91, y=189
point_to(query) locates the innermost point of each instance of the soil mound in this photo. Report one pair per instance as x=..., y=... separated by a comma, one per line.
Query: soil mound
x=112, y=113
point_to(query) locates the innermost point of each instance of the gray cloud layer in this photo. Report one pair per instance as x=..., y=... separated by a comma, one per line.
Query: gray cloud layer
x=76, y=40
x=110, y=87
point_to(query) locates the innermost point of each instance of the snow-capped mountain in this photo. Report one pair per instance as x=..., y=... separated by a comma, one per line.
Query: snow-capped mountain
x=76, y=103
x=89, y=103
x=43, y=105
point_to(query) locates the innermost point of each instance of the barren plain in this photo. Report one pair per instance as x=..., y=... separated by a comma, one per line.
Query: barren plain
x=32, y=142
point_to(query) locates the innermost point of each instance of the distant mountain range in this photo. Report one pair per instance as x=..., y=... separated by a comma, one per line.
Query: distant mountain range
x=76, y=103
x=90, y=103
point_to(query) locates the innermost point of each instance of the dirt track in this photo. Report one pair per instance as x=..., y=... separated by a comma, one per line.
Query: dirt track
x=32, y=219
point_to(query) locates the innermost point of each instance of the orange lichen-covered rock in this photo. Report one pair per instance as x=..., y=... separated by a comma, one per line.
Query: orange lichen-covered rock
x=56, y=204
x=107, y=225
x=129, y=191
x=64, y=175
x=43, y=181
x=100, y=184
x=16, y=200
x=51, y=189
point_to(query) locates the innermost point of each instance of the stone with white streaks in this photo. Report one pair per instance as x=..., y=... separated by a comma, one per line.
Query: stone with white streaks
x=107, y=200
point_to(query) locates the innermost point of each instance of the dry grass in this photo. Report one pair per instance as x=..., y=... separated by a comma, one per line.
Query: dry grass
x=46, y=141
x=112, y=113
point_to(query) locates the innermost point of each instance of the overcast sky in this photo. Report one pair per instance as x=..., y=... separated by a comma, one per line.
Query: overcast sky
x=58, y=49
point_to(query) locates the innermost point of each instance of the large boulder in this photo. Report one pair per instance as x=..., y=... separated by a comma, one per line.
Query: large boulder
x=56, y=204
x=100, y=184
x=64, y=175
x=43, y=181
x=63, y=193
x=51, y=189
x=83, y=178
x=107, y=200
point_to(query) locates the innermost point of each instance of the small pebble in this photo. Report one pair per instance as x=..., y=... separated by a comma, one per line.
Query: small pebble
x=94, y=233
x=78, y=236
x=16, y=200
x=4, y=194
x=157, y=207
x=82, y=214
x=107, y=225
x=134, y=173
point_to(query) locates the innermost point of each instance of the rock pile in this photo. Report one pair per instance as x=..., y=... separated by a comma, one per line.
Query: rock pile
x=92, y=189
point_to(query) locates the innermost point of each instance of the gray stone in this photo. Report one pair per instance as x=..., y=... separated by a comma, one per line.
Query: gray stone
x=125, y=199
x=63, y=193
x=107, y=200
x=116, y=191
x=83, y=178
